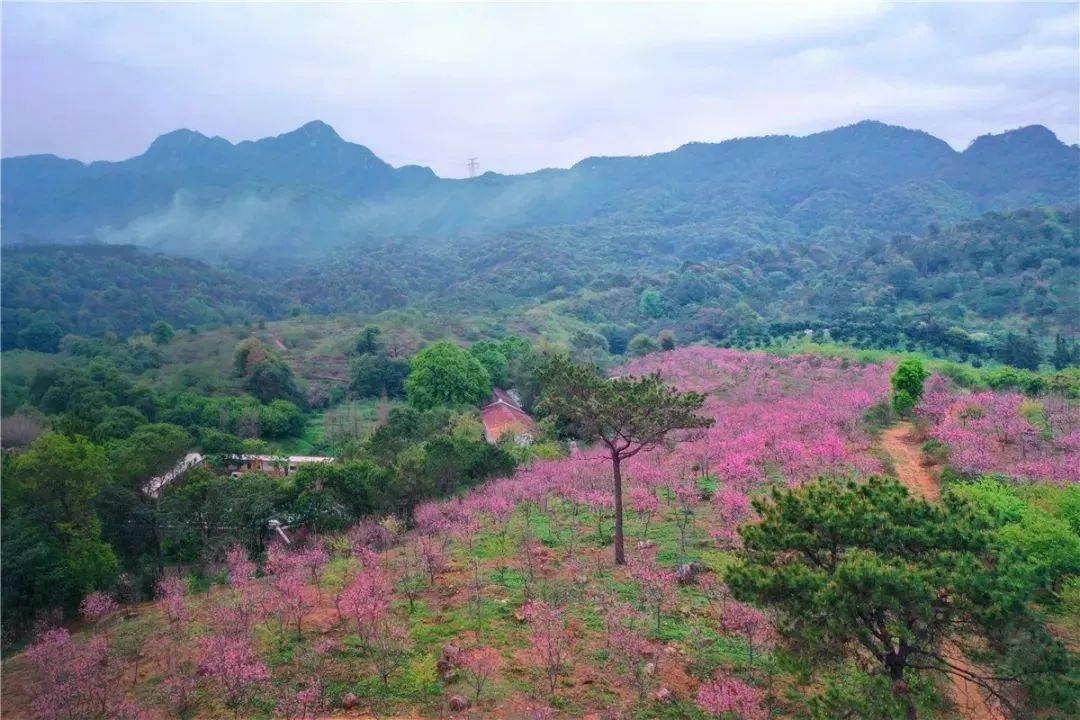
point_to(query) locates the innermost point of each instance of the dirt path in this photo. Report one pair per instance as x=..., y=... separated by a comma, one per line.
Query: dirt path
x=907, y=459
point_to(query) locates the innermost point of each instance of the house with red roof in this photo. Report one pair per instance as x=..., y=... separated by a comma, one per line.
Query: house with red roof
x=503, y=416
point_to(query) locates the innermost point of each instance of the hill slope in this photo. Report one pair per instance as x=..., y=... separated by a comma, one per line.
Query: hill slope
x=310, y=189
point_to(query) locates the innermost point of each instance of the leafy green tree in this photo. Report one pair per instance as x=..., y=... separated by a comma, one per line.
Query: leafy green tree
x=494, y=359
x=331, y=496
x=627, y=415
x=642, y=344
x=1066, y=353
x=280, y=419
x=446, y=374
x=162, y=332
x=377, y=375
x=651, y=304
x=41, y=335
x=248, y=353
x=271, y=379
x=48, y=505
x=149, y=451
x=907, y=384
x=1020, y=351
x=58, y=477
x=35, y=577
x=207, y=514
x=865, y=573
x=117, y=422
x=367, y=342
x=666, y=340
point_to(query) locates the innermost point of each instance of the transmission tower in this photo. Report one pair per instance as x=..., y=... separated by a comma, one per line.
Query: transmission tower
x=474, y=165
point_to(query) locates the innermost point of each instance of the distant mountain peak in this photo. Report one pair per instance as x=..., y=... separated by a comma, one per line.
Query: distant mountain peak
x=315, y=131
x=179, y=140
x=1029, y=136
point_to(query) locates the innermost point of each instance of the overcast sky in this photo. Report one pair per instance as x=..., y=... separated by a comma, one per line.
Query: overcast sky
x=528, y=86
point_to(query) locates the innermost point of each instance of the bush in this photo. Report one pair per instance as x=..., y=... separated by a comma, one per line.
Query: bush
x=936, y=451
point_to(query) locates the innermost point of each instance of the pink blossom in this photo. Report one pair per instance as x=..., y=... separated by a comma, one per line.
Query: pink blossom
x=479, y=664
x=233, y=664
x=731, y=697
x=172, y=596
x=241, y=569
x=550, y=638
x=97, y=606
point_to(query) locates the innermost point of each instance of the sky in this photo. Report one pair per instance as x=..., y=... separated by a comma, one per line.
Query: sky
x=527, y=86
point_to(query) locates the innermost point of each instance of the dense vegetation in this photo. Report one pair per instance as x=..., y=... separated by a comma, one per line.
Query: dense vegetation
x=505, y=597
x=1001, y=287
x=90, y=436
x=434, y=562
x=308, y=190
x=52, y=291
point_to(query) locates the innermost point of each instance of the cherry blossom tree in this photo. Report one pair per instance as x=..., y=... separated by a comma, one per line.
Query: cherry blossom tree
x=172, y=597
x=232, y=664
x=635, y=656
x=303, y=704
x=657, y=583
x=241, y=568
x=646, y=506
x=70, y=679
x=550, y=638
x=746, y=620
x=96, y=607
x=730, y=697
x=479, y=664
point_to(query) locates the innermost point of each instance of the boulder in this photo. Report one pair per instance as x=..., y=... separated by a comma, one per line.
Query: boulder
x=685, y=574
x=459, y=703
x=664, y=696
x=349, y=701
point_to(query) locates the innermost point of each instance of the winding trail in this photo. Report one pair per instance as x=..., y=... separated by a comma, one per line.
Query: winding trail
x=907, y=460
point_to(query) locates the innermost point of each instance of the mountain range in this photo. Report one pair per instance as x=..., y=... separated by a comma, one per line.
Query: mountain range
x=309, y=190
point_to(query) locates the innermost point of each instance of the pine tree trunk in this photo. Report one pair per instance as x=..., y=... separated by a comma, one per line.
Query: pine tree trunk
x=620, y=551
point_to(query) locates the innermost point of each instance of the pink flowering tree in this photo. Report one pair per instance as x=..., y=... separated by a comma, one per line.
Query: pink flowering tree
x=409, y=576
x=287, y=597
x=685, y=497
x=747, y=621
x=479, y=664
x=313, y=559
x=172, y=598
x=657, y=583
x=432, y=556
x=550, y=638
x=305, y=703
x=70, y=679
x=235, y=669
x=646, y=506
x=733, y=508
x=729, y=697
x=241, y=568
x=634, y=656
x=97, y=607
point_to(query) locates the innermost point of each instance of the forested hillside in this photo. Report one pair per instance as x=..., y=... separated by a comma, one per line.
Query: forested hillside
x=95, y=290
x=309, y=190
x=1000, y=286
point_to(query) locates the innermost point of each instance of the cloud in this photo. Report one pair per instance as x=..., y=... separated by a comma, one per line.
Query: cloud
x=526, y=86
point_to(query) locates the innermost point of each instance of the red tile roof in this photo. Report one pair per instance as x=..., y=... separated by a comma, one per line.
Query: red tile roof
x=503, y=416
